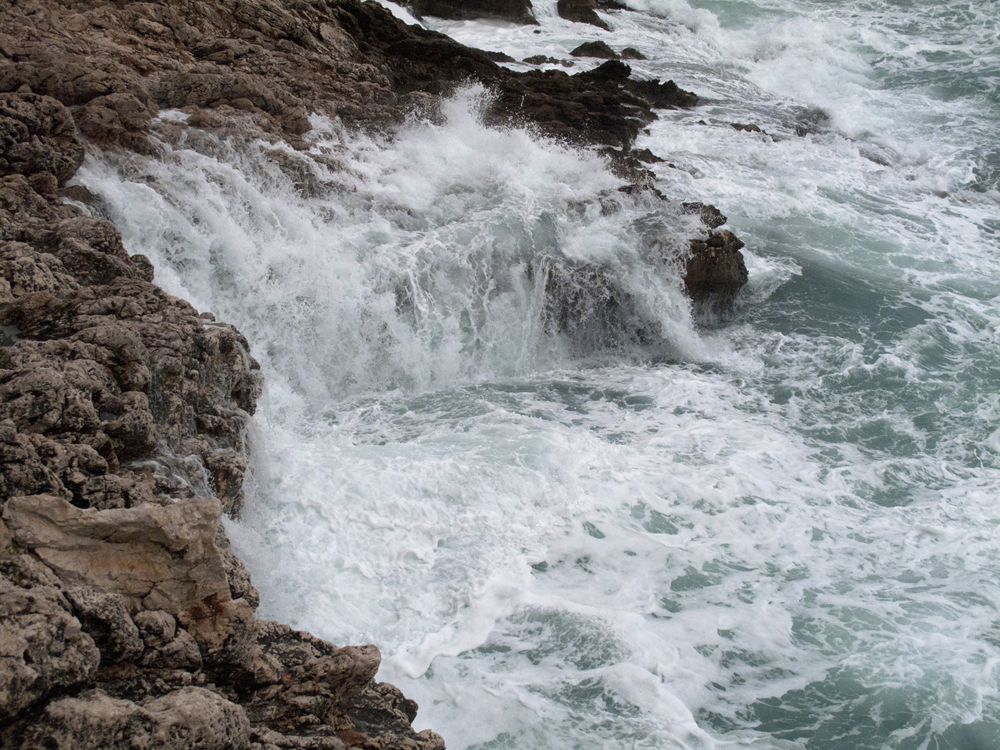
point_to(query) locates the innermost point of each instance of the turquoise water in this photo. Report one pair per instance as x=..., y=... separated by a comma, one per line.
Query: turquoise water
x=771, y=529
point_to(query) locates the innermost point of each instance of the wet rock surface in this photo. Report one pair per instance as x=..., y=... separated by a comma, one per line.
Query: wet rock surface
x=581, y=11
x=515, y=11
x=125, y=618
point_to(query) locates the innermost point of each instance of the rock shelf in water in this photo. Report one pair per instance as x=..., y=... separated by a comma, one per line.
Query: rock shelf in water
x=125, y=618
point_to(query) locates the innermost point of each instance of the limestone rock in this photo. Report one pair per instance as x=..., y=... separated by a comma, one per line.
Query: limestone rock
x=105, y=618
x=42, y=646
x=186, y=719
x=157, y=557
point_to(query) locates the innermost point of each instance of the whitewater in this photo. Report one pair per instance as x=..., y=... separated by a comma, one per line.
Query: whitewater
x=774, y=527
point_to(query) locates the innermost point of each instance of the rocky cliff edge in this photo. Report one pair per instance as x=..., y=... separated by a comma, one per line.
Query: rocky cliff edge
x=125, y=619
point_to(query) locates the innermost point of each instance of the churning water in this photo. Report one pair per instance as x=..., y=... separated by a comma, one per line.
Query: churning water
x=778, y=529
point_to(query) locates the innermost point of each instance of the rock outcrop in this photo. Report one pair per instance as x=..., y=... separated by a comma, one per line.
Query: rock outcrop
x=581, y=11
x=515, y=11
x=125, y=618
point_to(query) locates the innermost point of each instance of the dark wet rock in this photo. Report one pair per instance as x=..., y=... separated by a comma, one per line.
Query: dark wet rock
x=631, y=53
x=746, y=127
x=715, y=269
x=604, y=105
x=499, y=57
x=596, y=49
x=646, y=156
x=809, y=120
x=515, y=11
x=710, y=216
x=581, y=11
x=545, y=60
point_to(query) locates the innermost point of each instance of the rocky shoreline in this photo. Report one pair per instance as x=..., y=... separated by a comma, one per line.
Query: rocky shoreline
x=125, y=618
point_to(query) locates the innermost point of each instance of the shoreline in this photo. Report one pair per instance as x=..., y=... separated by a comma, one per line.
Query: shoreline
x=126, y=613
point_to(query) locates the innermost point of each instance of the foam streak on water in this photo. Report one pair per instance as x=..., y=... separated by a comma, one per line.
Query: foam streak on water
x=776, y=530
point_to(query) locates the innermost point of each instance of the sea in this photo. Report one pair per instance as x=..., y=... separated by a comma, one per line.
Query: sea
x=771, y=525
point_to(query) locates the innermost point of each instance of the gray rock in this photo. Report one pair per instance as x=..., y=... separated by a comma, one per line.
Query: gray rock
x=184, y=719
x=42, y=646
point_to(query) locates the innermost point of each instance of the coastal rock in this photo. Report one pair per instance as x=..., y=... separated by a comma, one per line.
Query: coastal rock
x=715, y=269
x=596, y=49
x=604, y=105
x=184, y=719
x=156, y=557
x=42, y=646
x=581, y=11
x=515, y=11
x=105, y=618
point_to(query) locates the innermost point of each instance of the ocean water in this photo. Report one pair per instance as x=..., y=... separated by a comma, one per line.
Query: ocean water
x=772, y=528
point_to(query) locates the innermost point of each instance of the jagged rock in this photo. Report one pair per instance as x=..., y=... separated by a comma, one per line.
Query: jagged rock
x=188, y=719
x=42, y=646
x=157, y=557
x=240, y=586
x=224, y=631
x=715, y=269
x=710, y=216
x=37, y=135
x=515, y=11
x=581, y=11
x=156, y=627
x=499, y=57
x=604, y=105
x=180, y=653
x=105, y=618
x=544, y=59
x=596, y=49
x=631, y=53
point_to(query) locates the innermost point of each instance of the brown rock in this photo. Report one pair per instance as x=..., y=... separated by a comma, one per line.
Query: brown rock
x=157, y=557
x=105, y=618
x=715, y=268
x=42, y=646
